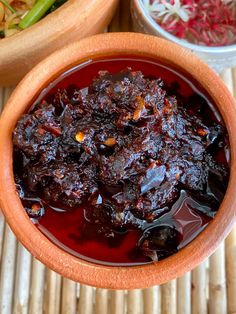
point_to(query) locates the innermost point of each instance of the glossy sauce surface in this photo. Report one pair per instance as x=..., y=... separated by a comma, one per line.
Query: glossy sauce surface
x=77, y=232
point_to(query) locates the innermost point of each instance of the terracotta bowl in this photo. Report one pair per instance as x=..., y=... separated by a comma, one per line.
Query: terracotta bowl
x=62, y=262
x=72, y=21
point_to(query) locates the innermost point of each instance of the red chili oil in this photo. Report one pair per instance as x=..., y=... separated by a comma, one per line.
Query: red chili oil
x=74, y=231
x=70, y=231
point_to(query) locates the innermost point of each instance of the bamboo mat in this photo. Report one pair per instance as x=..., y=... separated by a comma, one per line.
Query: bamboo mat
x=27, y=286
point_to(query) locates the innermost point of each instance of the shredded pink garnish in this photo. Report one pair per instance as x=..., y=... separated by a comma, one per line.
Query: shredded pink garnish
x=202, y=22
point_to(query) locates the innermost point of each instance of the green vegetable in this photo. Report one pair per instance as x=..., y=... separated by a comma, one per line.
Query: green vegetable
x=2, y=34
x=56, y=5
x=4, y=2
x=35, y=14
x=13, y=26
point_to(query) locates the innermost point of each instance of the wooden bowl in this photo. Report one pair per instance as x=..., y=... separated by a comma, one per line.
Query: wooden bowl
x=73, y=21
x=123, y=277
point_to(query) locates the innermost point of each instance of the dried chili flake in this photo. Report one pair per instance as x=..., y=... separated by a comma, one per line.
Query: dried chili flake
x=140, y=109
x=53, y=129
x=110, y=141
x=79, y=136
x=202, y=132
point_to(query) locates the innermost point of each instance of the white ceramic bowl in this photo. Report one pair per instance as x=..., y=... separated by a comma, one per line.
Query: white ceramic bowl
x=217, y=57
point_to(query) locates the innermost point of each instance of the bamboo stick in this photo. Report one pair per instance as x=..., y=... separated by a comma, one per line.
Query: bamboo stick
x=1, y=97
x=69, y=301
x=2, y=226
x=217, y=284
x=168, y=297
x=234, y=80
x=231, y=244
x=7, y=272
x=231, y=271
x=101, y=301
x=36, y=288
x=227, y=77
x=184, y=294
x=125, y=18
x=86, y=300
x=52, y=295
x=199, y=284
x=22, y=281
x=7, y=247
x=77, y=291
x=134, y=304
x=115, y=23
x=117, y=302
x=152, y=300
x=6, y=94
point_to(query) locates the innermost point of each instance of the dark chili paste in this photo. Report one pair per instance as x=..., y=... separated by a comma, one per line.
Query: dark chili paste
x=128, y=166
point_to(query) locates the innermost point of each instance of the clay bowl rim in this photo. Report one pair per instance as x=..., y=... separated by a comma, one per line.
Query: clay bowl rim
x=122, y=277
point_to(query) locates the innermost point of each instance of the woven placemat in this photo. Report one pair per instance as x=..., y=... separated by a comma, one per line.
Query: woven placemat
x=27, y=286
